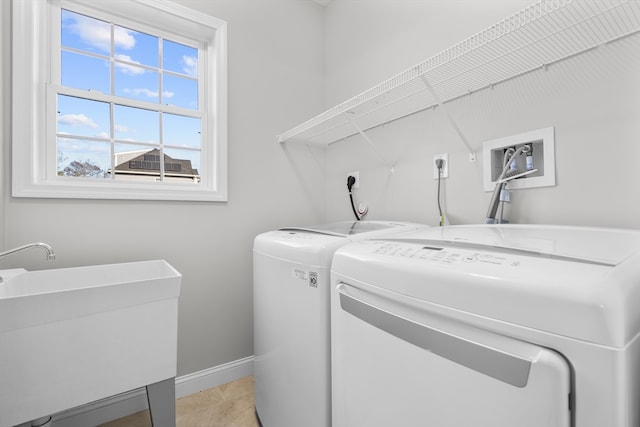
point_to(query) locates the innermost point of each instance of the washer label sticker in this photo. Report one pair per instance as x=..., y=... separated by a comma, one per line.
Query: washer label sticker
x=300, y=274
x=311, y=277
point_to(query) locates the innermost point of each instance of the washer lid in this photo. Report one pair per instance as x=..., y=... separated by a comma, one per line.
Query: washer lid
x=582, y=283
x=350, y=228
x=314, y=245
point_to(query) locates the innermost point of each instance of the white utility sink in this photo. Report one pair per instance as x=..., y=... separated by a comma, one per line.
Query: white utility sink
x=75, y=335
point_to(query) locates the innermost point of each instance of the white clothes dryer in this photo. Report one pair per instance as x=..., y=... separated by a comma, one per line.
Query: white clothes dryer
x=291, y=318
x=488, y=326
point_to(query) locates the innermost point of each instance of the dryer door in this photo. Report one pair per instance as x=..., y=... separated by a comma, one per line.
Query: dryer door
x=395, y=364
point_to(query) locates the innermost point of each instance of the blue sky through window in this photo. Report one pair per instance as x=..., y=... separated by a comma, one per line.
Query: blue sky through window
x=126, y=64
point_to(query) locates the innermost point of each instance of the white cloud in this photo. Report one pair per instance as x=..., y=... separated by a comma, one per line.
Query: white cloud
x=190, y=65
x=121, y=128
x=127, y=68
x=123, y=38
x=98, y=33
x=148, y=93
x=77, y=120
x=103, y=135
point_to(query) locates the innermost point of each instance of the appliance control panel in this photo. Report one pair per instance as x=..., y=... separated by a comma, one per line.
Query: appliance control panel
x=443, y=255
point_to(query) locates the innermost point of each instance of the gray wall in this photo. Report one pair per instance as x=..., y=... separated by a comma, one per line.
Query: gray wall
x=288, y=61
x=591, y=100
x=275, y=81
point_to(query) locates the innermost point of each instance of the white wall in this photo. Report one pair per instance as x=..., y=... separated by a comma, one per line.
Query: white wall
x=591, y=100
x=368, y=41
x=5, y=105
x=275, y=80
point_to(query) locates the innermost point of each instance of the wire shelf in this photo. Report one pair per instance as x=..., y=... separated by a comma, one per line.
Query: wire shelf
x=539, y=35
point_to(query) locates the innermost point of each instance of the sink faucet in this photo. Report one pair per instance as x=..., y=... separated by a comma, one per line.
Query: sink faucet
x=50, y=254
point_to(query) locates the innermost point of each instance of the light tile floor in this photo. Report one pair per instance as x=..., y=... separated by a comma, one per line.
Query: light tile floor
x=228, y=405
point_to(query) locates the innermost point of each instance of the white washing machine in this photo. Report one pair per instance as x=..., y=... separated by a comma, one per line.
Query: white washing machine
x=291, y=318
x=488, y=326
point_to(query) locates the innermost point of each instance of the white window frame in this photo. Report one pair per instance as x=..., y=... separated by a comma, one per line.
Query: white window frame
x=34, y=123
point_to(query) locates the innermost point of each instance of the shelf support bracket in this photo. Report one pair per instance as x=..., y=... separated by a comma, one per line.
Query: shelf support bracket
x=446, y=113
x=375, y=149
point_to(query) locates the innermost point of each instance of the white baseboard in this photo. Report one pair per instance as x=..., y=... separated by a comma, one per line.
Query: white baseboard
x=128, y=403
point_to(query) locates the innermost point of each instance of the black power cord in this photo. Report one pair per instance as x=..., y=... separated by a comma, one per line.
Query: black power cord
x=350, y=181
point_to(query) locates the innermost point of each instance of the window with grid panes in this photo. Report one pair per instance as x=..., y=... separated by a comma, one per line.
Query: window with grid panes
x=129, y=101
